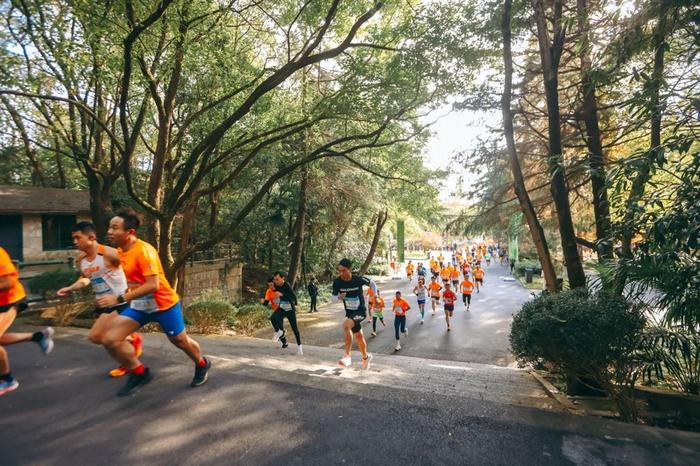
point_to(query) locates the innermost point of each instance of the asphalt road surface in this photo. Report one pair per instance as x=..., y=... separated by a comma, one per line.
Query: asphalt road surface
x=65, y=413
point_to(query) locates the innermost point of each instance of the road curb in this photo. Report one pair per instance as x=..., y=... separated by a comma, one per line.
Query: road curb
x=556, y=394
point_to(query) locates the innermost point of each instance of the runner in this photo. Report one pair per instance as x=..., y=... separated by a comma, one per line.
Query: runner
x=487, y=258
x=454, y=276
x=348, y=288
x=512, y=266
x=465, y=269
x=478, y=277
x=467, y=289
x=378, y=305
x=449, y=299
x=421, y=292
x=271, y=299
x=151, y=299
x=445, y=274
x=400, y=306
x=420, y=271
x=441, y=260
x=100, y=267
x=409, y=271
x=288, y=306
x=434, y=289
x=12, y=302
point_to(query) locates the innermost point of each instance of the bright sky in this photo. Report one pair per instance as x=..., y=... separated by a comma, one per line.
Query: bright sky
x=457, y=131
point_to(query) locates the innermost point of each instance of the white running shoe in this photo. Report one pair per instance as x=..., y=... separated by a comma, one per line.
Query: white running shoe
x=300, y=351
x=397, y=347
x=46, y=343
x=278, y=334
x=374, y=334
x=421, y=321
x=345, y=361
x=405, y=333
x=366, y=361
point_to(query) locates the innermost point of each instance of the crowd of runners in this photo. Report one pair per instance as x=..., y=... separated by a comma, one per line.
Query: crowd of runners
x=131, y=290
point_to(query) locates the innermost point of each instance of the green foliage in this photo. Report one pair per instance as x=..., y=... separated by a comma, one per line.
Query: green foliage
x=585, y=337
x=210, y=312
x=677, y=355
x=251, y=318
x=527, y=264
x=48, y=283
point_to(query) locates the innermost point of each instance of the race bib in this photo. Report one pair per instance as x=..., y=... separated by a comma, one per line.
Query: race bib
x=286, y=305
x=144, y=304
x=99, y=286
x=352, y=303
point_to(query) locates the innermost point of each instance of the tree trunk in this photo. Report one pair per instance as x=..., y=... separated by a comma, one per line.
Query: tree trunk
x=339, y=234
x=189, y=217
x=596, y=160
x=526, y=206
x=100, y=204
x=381, y=221
x=299, y=230
x=165, y=245
x=550, y=54
x=643, y=175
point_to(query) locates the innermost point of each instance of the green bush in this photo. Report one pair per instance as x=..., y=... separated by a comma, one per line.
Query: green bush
x=378, y=269
x=252, y=317
x=596, y=338
x=211, y=312
x=48, y=283
x=527, y=264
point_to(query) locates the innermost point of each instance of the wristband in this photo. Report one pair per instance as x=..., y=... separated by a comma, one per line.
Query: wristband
x=120, y=299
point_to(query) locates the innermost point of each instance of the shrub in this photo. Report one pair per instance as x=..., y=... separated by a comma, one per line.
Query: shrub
x=677, y=354
x=211, y=312
x=598, y=338
x=527, y=264
x=378, y=269
x=252, y=317
x=46, y=284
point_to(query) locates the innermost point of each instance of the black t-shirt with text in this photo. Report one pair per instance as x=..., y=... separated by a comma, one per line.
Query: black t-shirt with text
x=288, y=300
x=354, y=297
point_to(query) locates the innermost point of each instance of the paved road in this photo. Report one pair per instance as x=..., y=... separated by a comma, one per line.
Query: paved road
x=479, y=336
x=65, y=413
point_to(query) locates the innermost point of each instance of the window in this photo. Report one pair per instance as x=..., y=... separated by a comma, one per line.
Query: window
x=55, y=231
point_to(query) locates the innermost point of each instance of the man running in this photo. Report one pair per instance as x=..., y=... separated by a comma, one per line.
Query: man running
x=151, y=299
x=454, y=277
x=100, y=267
x=399, y=306
x=272, y=299
x=378, y=313
x=467, y=288
x=288, y=304
x=434, y=289
x=448, y=298
x=409, y=271
x=478, y=277
x=348, y=289
x=12, y=302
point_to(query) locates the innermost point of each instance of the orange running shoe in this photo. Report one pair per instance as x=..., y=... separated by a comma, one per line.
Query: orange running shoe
x=136, y=341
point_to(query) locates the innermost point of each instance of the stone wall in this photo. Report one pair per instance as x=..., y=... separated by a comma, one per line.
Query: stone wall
x=225, y=275
x=32, y=240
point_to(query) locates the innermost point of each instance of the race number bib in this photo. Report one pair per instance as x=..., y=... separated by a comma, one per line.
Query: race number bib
x=285, y=305
x=144, y=304
x=99, y=286
x=352, y=303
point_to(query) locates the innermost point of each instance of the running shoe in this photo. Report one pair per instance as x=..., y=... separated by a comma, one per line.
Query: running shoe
x=366, y=361
x=449, y=329
x=405, y=333
x=134, y=381
x=118, y=371
x=421, y=321
x=8, y=386
x=374, y=334
x=285, y=344
x=201, y=374
x=397, y=347
x=345, y=361
x=46, y=342
x=278, y=334
x=137, y=342
x=300, y=351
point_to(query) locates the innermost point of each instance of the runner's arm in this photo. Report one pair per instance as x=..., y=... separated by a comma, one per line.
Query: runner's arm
x=111, y=256
x=81, y=282
x=149, y=286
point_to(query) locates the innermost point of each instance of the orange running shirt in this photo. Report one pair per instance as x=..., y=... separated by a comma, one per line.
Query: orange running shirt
x=7, y=268
x=142, y=261
x=272, y=299
x=478, y=273
x=454, y=274
x=400, y=306
x=379, y=306
x=435, y=289
x=467, y=287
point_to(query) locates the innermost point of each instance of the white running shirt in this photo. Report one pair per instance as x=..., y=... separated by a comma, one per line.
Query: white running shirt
x=104, y=280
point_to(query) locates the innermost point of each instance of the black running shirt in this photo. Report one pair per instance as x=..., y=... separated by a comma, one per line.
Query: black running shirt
x=354, y=297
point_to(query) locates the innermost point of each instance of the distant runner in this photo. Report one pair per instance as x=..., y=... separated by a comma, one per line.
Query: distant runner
x=399, y=306
x=12, y=302
x=378, y=313
x=287, y=307
x=449, y=299
x=467, y=289
x=272, y=299
x=409, y=271
x=421, y=292
x=478, y=277
x=434, y=289
x=348, y=289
